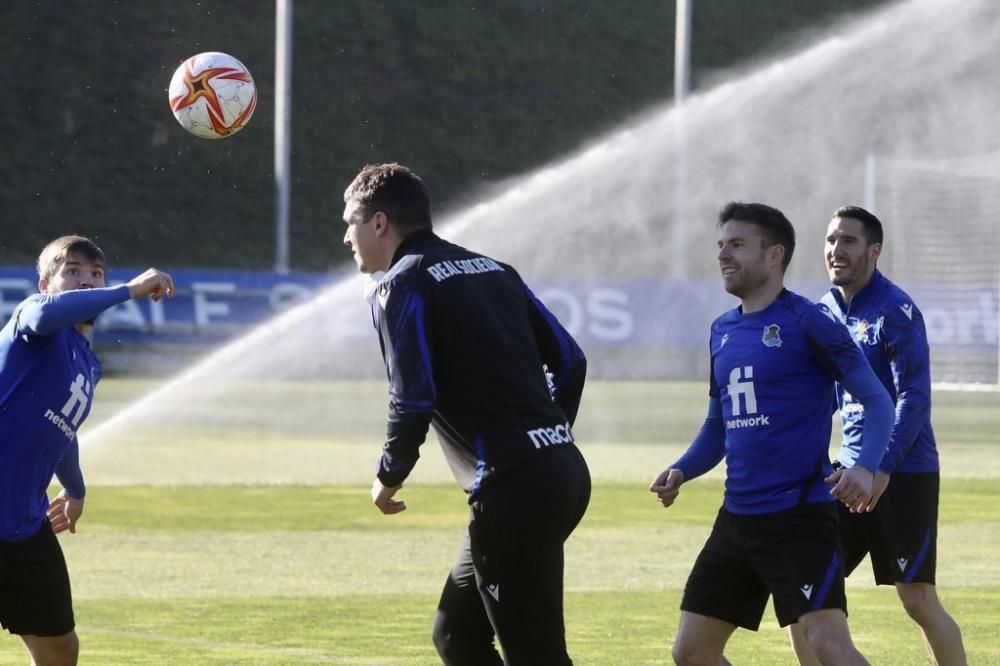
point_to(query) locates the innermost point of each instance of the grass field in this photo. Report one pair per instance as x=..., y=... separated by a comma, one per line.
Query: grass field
x=252, y=540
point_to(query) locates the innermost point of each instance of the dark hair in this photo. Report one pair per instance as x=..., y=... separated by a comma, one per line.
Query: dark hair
x=776, y=227
x=871, y=224
x=394, y=190
x=54, y=254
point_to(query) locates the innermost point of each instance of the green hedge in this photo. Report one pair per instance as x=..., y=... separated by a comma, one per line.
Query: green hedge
x=468, y=93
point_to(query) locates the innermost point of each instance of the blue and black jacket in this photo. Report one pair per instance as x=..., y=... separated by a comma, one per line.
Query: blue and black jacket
x=466, y=346
x=889, y=328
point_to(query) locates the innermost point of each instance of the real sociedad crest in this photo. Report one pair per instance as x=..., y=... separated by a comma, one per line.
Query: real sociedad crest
x=772, y=336
x=869, y=333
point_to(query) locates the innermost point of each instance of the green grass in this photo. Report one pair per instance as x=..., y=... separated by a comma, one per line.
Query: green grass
x=202, y=547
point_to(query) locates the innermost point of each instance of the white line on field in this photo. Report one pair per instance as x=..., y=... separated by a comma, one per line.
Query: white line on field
x=297, y=653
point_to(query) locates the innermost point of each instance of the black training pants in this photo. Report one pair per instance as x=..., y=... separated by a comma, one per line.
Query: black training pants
x=508, y=579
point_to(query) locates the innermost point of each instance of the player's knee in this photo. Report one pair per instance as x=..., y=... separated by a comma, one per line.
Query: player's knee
x=441, y=635
x=828, y=638
x=920, y=601
x=448, y=642
x=686, y=653
x=55, y=650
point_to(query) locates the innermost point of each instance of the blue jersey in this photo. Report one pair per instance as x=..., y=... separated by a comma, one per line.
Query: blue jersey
x=47, y=377
x=772, y=388
x=889, y=329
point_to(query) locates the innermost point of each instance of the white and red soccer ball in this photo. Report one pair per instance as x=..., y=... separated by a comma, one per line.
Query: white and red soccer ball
x=212, y=95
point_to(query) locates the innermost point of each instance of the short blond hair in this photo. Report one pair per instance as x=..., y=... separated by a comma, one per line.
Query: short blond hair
x=55, y=253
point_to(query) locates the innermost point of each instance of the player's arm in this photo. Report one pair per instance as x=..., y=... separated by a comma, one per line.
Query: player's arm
x=44, y=314
x=909, y=358
x=406, y=333
x=835, y=349
x=865, y=386
x=562, y=356
x=855, y=486
x=67, y=507
x=706, y=451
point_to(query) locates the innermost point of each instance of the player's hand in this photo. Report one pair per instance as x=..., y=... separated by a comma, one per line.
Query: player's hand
x=667, y=486
x=63, y=513
x=852, y=486
x=879, y=485
x=382, y=498
x=153, y=283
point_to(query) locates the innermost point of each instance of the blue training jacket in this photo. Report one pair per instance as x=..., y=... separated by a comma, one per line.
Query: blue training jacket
x=889, y=328
x=464, y=342
x=47, y=377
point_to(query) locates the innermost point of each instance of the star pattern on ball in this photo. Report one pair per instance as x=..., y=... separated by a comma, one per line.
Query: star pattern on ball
x=199, y=87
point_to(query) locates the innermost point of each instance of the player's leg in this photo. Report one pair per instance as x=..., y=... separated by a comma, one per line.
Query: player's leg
x=701, y=640
x=53, y=650
x=829, y=638
x=853, y=529
x=35, y=599
x=799, y=556
x=722, y=593
x=517, y=545
x=462, y=631
x=942, y=635
x=905, y=555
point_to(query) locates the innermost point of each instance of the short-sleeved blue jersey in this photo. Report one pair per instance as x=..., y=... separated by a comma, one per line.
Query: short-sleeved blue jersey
x=47, y=382
x=774, y=373
x=889, y=329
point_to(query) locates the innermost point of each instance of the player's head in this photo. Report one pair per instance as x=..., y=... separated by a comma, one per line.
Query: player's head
x=70, y=262
x=756, y=243
x=775, y=229
x=394, y=190
x=871, y=225
x=383, y=204
x=852, y=248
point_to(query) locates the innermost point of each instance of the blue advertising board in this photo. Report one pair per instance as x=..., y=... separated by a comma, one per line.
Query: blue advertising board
x=609, y=317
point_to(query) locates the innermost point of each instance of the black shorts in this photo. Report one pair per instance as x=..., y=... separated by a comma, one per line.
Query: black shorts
x=900, y=534
x=35, y=596
x=792, y=555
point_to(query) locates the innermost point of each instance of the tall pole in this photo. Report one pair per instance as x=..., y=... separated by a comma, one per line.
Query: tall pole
x=282, y=130
x=682, y=80
x=870, y=183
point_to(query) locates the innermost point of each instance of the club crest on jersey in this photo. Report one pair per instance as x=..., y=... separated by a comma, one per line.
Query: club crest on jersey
x=772, y=336
x=869, y=333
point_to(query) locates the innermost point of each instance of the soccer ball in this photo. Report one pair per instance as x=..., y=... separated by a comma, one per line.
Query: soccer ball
x=212, y=95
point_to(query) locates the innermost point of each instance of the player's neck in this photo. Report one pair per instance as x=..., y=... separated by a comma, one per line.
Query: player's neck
x=762, y=297
x=848, y=291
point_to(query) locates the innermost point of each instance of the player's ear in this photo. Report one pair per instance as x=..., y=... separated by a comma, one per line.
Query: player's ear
x=777, y=252
x=876, y=250
x=43, y=284
x=381, y=223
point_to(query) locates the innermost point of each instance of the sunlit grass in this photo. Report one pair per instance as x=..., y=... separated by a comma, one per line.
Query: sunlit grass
x=210, y=545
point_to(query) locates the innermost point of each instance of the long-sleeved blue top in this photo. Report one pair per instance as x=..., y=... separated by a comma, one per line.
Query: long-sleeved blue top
x=47, y=377
x=771, y=391
x=889, y=329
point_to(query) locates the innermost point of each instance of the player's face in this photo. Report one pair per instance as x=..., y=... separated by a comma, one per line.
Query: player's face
x=742, y=258
x=361, y=237
x=850, y=260
x=76, y=272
